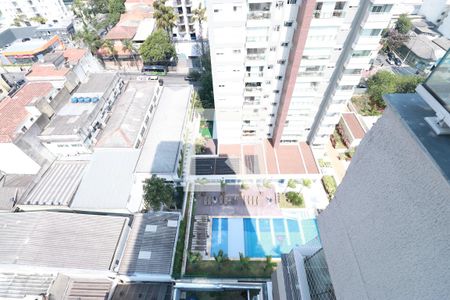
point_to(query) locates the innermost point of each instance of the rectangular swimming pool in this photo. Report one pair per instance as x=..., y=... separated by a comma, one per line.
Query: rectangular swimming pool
x=258, y=237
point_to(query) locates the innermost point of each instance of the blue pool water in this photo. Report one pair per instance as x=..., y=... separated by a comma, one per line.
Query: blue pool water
x=261, y=236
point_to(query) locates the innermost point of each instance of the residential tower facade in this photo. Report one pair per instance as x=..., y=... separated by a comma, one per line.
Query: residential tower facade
x=284, y=70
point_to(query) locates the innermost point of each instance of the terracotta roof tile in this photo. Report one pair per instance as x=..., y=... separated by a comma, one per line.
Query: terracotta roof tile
x=121, y=33
x=353, y=123
x=13, y=112
x=38, y=70
x=73, y=55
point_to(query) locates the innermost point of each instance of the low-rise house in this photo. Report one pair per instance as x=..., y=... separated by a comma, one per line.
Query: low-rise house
x=74, y=128
x=131, y=116
x=22, y=117
x=351, y=129
x=65, y=68
x=422, y=52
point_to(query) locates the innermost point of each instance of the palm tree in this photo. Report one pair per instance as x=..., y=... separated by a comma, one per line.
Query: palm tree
x=127, y=45
x=108, y=44
x=164, y=16
x=245, y=261
x=269, y=263
x=199, y=15
x=220, y=258
x=90, y=38
x=194, y=258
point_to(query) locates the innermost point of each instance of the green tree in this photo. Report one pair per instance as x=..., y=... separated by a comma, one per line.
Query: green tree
x=127, y=45
x=157, y=48
x=158, y=193
x=89, y=38
x=108, y=44
x=244, y=261
x=164, y=16
x=403, y=24
x=292, y=183
x=220, y=258
x=39, y=19
x=199, y=15
x=307, y=182
x=19, y=19
x=394, y=39
x=295, y=198
x=115, y=9
x=385, y=82
x=194, y=257
x=269, y=264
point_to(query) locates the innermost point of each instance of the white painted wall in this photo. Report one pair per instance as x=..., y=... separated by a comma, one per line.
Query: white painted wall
x=14, y=161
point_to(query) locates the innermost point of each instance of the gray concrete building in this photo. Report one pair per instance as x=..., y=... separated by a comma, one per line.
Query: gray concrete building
x=385, y=234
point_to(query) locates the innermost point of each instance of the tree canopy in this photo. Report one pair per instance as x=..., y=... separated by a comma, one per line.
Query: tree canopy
x=164, y=16
x=158, y=193
x=157, y=48
x=403, y=24
x=385, y=82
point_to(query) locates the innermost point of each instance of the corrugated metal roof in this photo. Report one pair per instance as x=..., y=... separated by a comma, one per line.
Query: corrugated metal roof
x=108, y=180
x=20, y=285
x=160, y=243
x=58, y=185
x=59, y=240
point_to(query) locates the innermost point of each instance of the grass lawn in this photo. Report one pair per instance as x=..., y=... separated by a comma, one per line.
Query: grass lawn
x=206, y=129
x=285, y=204
x=229, y=269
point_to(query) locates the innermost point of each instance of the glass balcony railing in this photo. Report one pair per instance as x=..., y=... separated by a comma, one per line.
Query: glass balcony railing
x=253, y=89
x=438, y=82
x=258, y=15
x=254, y=74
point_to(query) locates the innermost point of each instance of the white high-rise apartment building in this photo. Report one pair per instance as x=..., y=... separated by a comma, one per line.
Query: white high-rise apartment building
x=49, y=9
x=284, y=69
x=186, y=27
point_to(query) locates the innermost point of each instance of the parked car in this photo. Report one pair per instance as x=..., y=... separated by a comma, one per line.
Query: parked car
x=390, y=61
x=397, y=61
x=190, y=78
x=391, y=55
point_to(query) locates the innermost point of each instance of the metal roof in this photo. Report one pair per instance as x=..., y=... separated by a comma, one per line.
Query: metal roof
x=153, y=234
x=71, y=288
x=13, y=285
x=153, y=291
x=60, y=240
x=58, y=184
x=162, y=144
x=124, y=126
x=107, y=181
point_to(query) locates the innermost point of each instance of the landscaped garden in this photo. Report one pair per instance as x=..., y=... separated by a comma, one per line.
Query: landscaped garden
x=222, y=267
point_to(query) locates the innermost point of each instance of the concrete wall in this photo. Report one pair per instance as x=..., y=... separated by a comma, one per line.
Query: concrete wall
x=385, y=234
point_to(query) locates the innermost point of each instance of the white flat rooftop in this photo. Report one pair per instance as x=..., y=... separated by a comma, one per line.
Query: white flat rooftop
x=160, y=151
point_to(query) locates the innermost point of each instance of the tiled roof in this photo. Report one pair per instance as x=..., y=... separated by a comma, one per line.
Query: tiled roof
x=13, y=112
x=73, y=55
x=258, y=159
x=121, y=33
x=354, y=125
x=39, y=70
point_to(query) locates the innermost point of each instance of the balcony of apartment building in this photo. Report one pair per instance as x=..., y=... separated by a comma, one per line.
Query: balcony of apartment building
x=379, y=13
x=189, y=11
x=177, y=3
x=191, y=20
x=321, y=12
x=180, y=21
x=252, y=88
x=258, y=14
x=256, y=41
x=370, y=37
x=256, y=54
